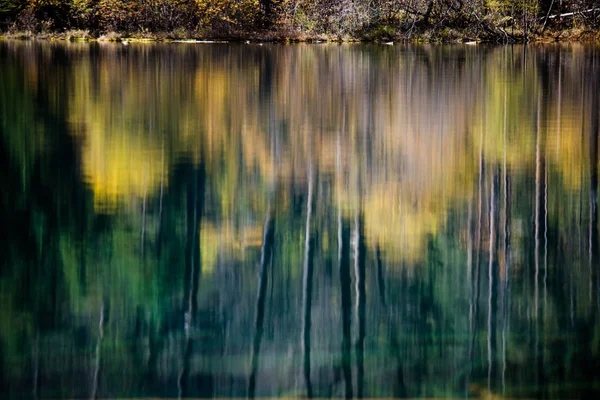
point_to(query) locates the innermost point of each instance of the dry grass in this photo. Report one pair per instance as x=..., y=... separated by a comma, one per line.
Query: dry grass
x=78, y=35
x=110, y=37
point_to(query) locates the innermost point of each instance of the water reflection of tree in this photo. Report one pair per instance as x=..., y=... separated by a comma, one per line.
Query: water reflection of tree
x=195, y=165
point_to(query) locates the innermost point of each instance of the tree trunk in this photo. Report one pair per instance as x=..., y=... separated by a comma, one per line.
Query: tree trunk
x=268, y=13
x=428, y=11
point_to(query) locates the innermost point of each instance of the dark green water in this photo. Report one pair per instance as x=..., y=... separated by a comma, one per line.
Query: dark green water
x=228, y=220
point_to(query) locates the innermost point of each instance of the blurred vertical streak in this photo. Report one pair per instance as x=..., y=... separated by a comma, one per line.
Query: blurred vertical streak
x=506, y=250
x=594, y=132
x=474, y=298
x=144, y=207
x=344, y=257
x=380, y=276
x=360, y=266
x=36, y=365
x=491, y=282
x=344, y=268
x=537, y=222
x=307, y=278
x=96, y=376
x=265, y=257
x=195, y=205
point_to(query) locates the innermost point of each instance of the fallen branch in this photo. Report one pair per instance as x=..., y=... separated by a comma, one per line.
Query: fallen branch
x=570, y=14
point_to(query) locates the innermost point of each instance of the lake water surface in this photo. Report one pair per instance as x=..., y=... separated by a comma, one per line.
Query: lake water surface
x=245, y=220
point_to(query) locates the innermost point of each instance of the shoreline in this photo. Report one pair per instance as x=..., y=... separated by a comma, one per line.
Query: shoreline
x=81, y=36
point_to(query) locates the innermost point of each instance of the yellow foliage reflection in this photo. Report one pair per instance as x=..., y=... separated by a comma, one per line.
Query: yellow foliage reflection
x=395, y=142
